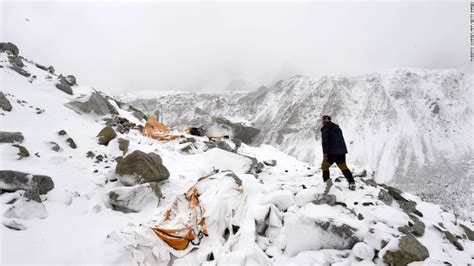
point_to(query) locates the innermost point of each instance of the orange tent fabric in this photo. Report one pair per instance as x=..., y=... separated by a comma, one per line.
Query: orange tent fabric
x=179, y=238
x=153, y=127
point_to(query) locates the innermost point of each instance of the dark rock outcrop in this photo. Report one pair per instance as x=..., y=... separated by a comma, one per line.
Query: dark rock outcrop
x=139, y=167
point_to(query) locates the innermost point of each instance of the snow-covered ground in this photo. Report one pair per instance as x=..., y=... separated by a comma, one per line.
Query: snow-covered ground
x=277, y=215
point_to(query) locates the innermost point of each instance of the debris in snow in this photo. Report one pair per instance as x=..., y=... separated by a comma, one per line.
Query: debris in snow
x=270, y=162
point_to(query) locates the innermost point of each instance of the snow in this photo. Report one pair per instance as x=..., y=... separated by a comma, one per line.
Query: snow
x=278, y=223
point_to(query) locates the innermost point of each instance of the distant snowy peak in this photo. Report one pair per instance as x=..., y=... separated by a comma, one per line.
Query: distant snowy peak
x=401, y=124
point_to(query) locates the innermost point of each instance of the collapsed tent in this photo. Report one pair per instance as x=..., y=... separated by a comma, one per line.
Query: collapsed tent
x=156, y=130
x=209, y=222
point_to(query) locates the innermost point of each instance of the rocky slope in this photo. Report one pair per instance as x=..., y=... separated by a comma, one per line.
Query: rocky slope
x=410, y=127
x=80, y=184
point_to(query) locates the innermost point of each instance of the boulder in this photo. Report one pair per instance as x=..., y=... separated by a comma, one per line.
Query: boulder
x=20, y=71
x=306, y=195
x=409, y=250
x=363, y=251
x=123, y=145
x=106, y=135
x=136, y=198
x=11, y=137
x=139, y=167
x=64, y=88
x=13, y=180
x=22, y=151
x=8, y=46
x=95, y=102
x=220, y=126
x=5, y=103
x=29, y=206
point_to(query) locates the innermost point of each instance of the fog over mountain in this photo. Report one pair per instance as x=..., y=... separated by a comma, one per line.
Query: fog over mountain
x=125, y=46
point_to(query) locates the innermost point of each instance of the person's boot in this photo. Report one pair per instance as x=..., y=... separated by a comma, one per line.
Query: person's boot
x=352, y=186
x=329, y=184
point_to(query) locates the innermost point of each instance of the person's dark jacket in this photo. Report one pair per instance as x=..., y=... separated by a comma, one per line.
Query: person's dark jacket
x=332, y=139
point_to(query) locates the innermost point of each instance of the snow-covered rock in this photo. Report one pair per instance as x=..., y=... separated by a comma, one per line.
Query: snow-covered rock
x=363, y=251
x=280, y=198
x=135, y=198
x=27, y=208
x=139, y=167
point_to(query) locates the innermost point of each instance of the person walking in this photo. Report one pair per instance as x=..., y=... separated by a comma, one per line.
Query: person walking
x=334, y=151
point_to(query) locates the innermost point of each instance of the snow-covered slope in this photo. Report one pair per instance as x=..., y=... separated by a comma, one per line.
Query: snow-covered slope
x=412, y=127
x=283, y=217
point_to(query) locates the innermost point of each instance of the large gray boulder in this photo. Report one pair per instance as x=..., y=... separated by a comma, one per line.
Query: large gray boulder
x=139, y=167
x=64, y=88
x=222, y=126
x=11, y=137
x=106, y=135
x=95, y=102
x=14, y=180
x=409, y=250
x=5, y=103
x=8, y=46
x=136, y=198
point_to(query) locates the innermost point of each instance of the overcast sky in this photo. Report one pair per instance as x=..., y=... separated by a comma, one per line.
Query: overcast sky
x=125, y=46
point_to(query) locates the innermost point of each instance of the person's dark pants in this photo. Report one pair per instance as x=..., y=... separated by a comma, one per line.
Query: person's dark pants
x=340, y=160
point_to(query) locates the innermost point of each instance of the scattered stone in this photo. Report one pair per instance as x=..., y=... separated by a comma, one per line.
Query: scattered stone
x=99, y=158
x=5, y=103
x=20, y=71
x=139, y=167
x=410, y=250
x=90, y=154
x=328, y=199
x=62, y=132
x=22, y=151
x=55, y=147
x=13, y=224
x=8, y=46
x=367, y=203
x=360, y=217
x=13, y=180
x=385, y=197
x=95, y=102
x=395, y=193
x=407, y=206
x=71, y=143
x=123, y=145
x=11, y=137
x=106, y=135
x=270, y=162
x=136, y=198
